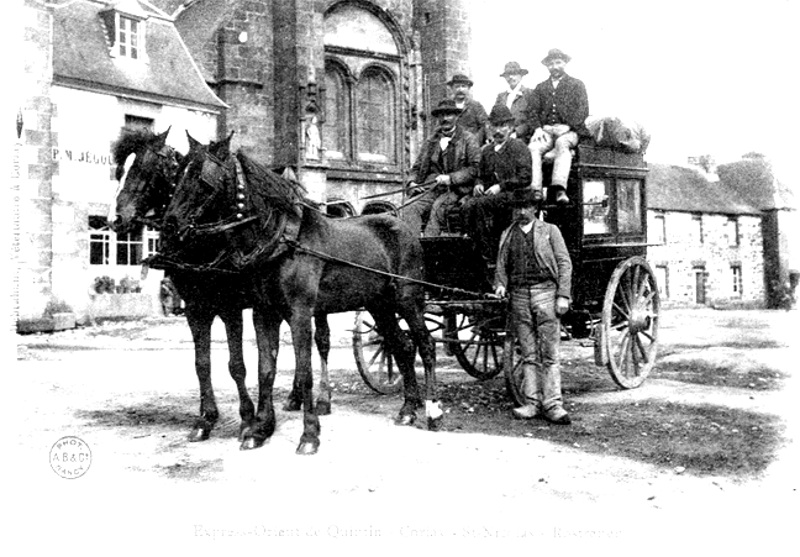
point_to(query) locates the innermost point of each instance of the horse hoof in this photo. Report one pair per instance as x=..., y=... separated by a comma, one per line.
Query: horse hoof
x=292, y=406
x=250, y=443
x=405, y=419
x=307, y=448
x=435, y=424
x=323, y=408
x=199, y=434
x=245, y=432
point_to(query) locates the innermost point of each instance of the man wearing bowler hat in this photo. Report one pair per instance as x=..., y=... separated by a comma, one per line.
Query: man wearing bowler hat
x=534, y=269
x=517, y=99
x=505, y=168
x=443, y=172
x=557, y=116
x=473, y=116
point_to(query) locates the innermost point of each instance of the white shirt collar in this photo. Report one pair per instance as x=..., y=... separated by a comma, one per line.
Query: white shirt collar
x=526, y=227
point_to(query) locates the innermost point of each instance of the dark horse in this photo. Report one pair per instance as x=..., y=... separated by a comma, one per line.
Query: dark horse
x=146, y=169
x=301, y=264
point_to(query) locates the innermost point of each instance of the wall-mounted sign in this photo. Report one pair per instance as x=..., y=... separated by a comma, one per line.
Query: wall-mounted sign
x=88, y=157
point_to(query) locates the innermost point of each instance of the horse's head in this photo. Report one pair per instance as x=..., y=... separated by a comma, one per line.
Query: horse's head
x=146, y=171
x=203, y=193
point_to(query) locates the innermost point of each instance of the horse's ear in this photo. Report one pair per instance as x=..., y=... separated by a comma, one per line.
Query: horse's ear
x=193, y=143
x=161, y=139
x=222, y=149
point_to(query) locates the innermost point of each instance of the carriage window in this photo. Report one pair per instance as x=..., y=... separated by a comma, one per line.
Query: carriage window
x=595, y=207
x=375, y=129
x=629, y=207
x=99, y=241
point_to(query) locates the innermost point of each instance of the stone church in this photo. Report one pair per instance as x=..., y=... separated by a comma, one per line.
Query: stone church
x=338, y=91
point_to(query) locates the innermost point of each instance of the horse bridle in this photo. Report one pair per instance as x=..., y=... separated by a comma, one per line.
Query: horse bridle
x=165, y=155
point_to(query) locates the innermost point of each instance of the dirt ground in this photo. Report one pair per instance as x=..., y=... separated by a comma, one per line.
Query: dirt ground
x=701, y=456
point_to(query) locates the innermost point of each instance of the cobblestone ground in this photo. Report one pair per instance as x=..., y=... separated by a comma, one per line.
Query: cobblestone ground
x=128, y=391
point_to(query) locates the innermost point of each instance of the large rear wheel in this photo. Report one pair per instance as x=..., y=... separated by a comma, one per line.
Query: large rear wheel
x=630, y=322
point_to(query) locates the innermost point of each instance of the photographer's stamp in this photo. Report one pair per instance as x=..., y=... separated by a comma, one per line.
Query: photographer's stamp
x=70, y=457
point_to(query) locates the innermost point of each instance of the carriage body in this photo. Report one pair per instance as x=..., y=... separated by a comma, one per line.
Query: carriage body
x=615, y=296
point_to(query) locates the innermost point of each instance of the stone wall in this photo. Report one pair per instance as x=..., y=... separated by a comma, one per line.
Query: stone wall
x=684, y=255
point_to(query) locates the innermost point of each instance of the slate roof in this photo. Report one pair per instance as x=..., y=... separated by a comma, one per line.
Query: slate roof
x=197, y=21
x=81, y=58
x=677, y=188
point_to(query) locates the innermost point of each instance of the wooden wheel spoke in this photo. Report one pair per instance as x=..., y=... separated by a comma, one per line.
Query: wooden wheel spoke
x=642, y=350
x=623, y=351
x=378, y=354
x=624, y=313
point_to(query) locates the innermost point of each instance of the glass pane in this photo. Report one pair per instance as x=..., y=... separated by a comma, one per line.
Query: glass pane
x=335, y=133
x=595, y=207
x=629, y=207
x=375, y=126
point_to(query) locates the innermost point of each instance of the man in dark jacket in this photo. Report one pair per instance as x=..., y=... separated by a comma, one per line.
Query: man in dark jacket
x=557, y=116
x=535, y=270
x=504, y=168
x=517, y=98
x=446, y=165
x=473, y=116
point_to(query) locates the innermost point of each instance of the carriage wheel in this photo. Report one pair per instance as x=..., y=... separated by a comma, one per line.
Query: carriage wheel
x=477, y=343
x=630, y=322
x=375, y=363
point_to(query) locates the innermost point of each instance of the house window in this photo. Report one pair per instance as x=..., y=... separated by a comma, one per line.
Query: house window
x=662, y=280
x=700, y=285
x=736, y=272
x=100, y=239
x=128, y=37
x=108, y=248
x=732, y=231
x=697, y=228
x=659, y=229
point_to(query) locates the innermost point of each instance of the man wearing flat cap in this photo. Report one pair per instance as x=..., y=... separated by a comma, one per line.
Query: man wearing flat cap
x=517, y=98
x=473, y=116
x=443, y=173
x=534, y=269
x=557, y=116
x=505, y=168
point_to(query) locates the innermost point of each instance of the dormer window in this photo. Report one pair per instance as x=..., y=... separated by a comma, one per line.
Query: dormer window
x=125, y=24
x=128, y=37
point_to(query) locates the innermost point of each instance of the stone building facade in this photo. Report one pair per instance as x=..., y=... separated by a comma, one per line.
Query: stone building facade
x=338, y=91
x=706, y=242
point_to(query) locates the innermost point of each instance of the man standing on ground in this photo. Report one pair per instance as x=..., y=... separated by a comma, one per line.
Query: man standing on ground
x=557, y=118
x=446, y=165
x=473, y=116
x=534, y=268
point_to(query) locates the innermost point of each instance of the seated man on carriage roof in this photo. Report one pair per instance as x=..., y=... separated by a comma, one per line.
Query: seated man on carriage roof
x=505, y=167
x=446, y=165
x=557, y=115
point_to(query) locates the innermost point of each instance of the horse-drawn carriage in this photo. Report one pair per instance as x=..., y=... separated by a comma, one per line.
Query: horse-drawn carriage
x=615, y=296
x=238, y=236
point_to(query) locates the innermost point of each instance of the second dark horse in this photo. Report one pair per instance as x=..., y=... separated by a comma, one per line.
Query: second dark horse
x=301, y=263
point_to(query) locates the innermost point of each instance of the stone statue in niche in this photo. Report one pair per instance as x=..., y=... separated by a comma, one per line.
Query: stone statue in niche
x=313, y=139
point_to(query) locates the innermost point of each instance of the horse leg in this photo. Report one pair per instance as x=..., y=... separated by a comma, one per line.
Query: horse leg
x=322, y=338
x=200, y=324
x=301, y=338
x=415, y=318
x=267, y=326
x=402, y=348
x=233, y=330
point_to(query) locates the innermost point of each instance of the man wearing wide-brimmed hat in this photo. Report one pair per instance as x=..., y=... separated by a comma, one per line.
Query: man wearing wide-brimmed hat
x=505, y=168
x=517, y=99
x=534, y=269
x=443, y=172
x=473, y=116
x=558, y=115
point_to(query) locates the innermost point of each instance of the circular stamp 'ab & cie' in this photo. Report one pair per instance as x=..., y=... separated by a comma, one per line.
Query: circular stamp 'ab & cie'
x=70, y=457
